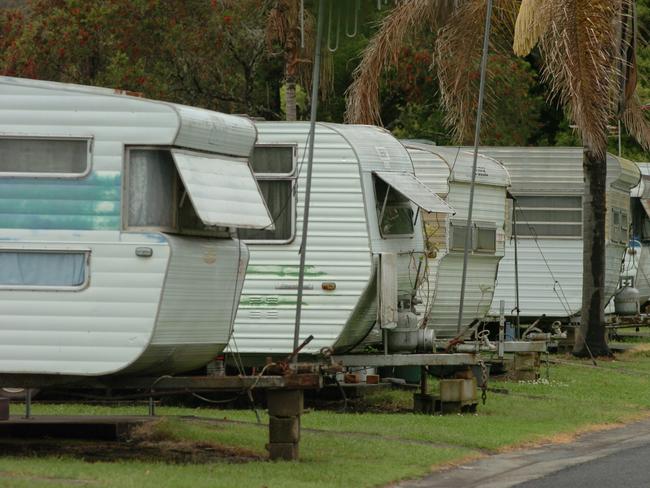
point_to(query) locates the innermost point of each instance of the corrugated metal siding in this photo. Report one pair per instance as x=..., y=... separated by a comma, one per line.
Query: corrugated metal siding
x=415, y=190
x=377, y=150
x=337, y=251
x=461, y=161
x=539, y=294
x=95, y=331
x=481, y=273
x=222, y=190
x=214, y=132
x=204, y=278
x=629, y=176
x=541, y=170
x=105, y=327
x=489, y=206
x=430, y=169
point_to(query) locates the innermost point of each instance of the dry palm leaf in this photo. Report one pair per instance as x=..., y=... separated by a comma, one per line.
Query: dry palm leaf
x=636, y=122
x=580, y=63
x=531, y=24
x=457, y=59
x=383, y=52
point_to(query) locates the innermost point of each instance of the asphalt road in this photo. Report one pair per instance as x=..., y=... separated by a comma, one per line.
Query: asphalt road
x=612, y=458
x=629, y=468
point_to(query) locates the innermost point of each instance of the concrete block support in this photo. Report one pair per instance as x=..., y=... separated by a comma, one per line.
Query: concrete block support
x=285, y=408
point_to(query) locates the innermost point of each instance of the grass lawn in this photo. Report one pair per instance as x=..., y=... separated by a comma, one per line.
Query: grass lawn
x=370, y=449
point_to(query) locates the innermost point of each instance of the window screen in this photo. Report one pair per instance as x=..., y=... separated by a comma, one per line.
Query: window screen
x=42, y=269
x=458, y=235
x=39, y=155
x=151, y=185
x=274, y=168
x=486, y=239
x=394, y=210
x=549, y=216
x=273, y=160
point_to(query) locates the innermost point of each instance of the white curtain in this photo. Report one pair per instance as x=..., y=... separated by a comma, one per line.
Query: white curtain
x=23, y=268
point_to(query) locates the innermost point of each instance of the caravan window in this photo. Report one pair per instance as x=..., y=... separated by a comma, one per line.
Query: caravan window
x=40, y=156
x=486, y=238
x=458, y=235
x=394, y=210
x=618, y=227
x=155, y=198
x=483, y=238
x=38, y=269
x=274, y=167
x=549, y=216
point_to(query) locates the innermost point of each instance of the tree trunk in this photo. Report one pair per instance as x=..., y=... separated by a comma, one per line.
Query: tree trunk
x=591, y=336
x=290, y=100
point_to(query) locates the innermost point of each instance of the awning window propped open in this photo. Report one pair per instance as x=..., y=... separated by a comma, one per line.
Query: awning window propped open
x=416, y=191
x=222, y=190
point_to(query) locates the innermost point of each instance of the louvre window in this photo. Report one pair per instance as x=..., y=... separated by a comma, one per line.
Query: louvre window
x=274, y=168
x=549, y=216
x=25, y=156
x=43, y=269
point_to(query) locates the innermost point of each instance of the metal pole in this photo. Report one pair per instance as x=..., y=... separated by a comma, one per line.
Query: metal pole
x=312, y=132
x=28, y=403
x=514, y=233
x=477, y=138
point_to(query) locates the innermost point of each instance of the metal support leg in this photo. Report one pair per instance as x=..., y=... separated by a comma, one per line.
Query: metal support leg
x=28, y=403
x=152, y=407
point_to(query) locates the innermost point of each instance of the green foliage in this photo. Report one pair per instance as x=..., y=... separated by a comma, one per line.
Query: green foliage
x=210, y=54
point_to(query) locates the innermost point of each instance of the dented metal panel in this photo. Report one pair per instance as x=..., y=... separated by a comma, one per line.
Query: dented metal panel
x=222, y=190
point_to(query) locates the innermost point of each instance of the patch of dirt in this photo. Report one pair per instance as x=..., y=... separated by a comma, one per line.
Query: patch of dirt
x=152, y=441
x=172, y=452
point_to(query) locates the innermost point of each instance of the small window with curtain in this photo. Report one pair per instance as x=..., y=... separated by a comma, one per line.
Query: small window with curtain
x=155, y=197
x=274, y=167
x=44, y=157
x=43, y=269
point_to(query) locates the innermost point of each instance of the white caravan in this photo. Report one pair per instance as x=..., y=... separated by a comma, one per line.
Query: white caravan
x=446, y=235
x=117, y=215
x=365, y=242
x=548, y=185
x=636, y=267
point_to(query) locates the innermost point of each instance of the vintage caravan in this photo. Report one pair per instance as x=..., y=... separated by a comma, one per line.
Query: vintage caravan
x=117, y=213
x=547, y=183
x=636, y=266
x=446, y=234
x=364, y=237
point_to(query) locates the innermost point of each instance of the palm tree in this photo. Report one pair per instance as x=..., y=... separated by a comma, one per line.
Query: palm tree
x=588, y=62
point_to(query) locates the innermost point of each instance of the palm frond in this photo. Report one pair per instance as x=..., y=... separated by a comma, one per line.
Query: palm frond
x=532, y=22
x=636, y=122
x=457, y=59
x=383, y=52
x=580, y=63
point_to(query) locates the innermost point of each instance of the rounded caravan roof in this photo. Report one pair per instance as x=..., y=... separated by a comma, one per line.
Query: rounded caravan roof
x=189, y=127
x=556, y=170
x=430, y=168
x=374, y=146
x=642, y=190
x=489, y=171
